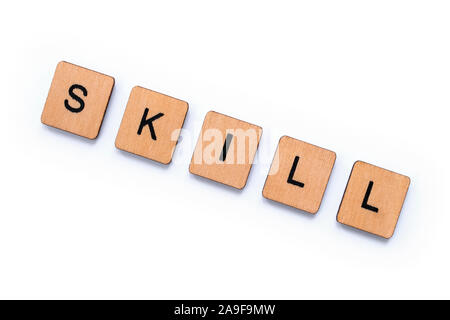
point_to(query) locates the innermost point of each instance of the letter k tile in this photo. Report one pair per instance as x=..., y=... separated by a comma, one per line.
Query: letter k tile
x=151, y=125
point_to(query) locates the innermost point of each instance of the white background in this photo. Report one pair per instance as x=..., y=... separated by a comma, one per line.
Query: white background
x=367, y=79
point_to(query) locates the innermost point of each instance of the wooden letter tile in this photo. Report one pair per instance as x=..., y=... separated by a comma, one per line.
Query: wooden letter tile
x=225, y=149
x=77, y=100
x=151, y=125
x=299, y=174
x=373, y=199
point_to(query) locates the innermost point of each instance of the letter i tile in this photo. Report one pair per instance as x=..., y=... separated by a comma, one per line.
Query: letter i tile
x=373, y=199
x=225, y=149
x=151, y=125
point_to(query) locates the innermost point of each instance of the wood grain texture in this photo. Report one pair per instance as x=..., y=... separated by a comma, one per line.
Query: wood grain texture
x=312, y=170
x=206, y=160
x=88, y=121
x=171, y=112
x=387, y=195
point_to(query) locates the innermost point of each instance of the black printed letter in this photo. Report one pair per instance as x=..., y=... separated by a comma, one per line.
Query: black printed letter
x=148, y=122
x=226, y=146
x=76, y=98
x=291, y=174
x=366, y=199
